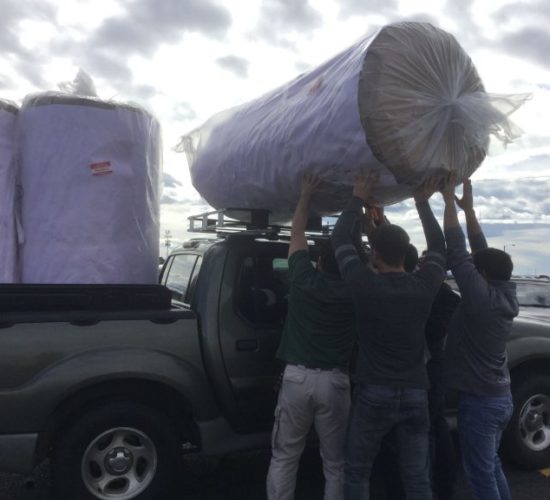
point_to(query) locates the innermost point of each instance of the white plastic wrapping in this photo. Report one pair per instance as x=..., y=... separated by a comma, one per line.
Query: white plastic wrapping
x=405, y=102
x=90, y=176
x=8, y=174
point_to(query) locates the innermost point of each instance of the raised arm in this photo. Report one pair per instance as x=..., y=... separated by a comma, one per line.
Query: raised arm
x=456, y=243
x=298, y=240
x=344, y=234
x=466, y=203
x=432, y=230
x=471, y=283
x=434, y=262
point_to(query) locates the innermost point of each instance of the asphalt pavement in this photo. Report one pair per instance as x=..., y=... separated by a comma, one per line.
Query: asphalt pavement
x=242, y=477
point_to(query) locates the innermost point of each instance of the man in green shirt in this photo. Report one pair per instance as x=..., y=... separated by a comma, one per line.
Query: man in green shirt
x=316, y=345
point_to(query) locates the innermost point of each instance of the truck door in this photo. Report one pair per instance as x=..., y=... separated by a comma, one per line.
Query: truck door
x=253, y=309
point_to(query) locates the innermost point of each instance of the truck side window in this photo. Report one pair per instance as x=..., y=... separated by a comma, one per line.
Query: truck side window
x=179, y=274
x=263, y=289
x=193, y=282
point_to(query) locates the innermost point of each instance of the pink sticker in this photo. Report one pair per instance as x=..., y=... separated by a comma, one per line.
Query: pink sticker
x=316, y=87
x=101, y=168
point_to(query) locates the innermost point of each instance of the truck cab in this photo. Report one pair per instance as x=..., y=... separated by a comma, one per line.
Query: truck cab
x=240, y=298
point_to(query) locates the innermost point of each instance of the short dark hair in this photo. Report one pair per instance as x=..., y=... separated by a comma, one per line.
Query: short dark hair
x=328, y=259
x=411, y=259
x=391, y=242
x=496, y=263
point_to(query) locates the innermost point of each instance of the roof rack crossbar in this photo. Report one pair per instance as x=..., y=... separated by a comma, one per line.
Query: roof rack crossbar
x=224, y=222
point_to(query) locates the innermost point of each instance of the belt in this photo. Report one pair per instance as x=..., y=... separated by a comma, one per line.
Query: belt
x=319, y=368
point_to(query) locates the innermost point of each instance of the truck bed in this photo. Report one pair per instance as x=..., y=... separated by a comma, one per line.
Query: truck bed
x=16, y=298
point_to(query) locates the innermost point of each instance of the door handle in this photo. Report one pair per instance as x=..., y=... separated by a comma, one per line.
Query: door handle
x=247, y=345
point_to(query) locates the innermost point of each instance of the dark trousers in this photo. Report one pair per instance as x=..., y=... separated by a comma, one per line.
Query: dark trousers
x=443, y=456
x=444, y=464
x=377, y=411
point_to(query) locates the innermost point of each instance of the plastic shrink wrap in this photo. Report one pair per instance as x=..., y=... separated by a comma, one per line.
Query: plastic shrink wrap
x=405, y=102
x=8, y=173
x=90, y=176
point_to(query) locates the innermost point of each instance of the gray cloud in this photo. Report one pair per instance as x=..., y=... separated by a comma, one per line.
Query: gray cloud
x=531, y=40
x=469, y=33
x=513, y=199
x=148, y=23
x=524, y=200
x=107, y=66
x=140, y=30
x=30, y=66
x=183, y=111
x=501, y=229
x=302, y=66
x=187, y=204
x=170, y=182
x=530, y=43
x=28, y=63
x=168, y=200
x=5, y=82
x=144, y=92
x=234, y=64
x=522, y=11
x=362, y=7
x=14, y=11
x=515, y=213
x=279, y=17
x=422, y=17
x=534, y=163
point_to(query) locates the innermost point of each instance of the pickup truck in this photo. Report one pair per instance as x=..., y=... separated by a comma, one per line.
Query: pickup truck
x=115, y=397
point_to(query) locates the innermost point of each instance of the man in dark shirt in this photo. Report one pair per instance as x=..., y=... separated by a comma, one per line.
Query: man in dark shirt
x=391, y=308
x=316, y=345
x=442, y=450
x=476, y=345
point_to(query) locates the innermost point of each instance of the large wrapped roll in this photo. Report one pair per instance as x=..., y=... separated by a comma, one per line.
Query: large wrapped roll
x=405, y=102
x=90, y=176
x=8, y=174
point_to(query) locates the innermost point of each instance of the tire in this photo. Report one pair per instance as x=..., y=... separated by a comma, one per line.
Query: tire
x=119, y=451
x=526, y=442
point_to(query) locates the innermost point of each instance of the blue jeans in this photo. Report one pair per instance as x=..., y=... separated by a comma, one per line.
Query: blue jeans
x=481, y=421
x=377, y=410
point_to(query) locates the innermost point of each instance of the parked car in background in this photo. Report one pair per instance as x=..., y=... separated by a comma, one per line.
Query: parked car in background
x=527, y=440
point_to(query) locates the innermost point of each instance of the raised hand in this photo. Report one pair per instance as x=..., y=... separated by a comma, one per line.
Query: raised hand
x=368, y=225
x=310, y=183
x=448, y=188
x=428, y=188
x=466, y=203
x=364, y=184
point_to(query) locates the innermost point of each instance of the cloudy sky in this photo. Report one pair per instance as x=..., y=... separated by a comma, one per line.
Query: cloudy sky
x=188, y=59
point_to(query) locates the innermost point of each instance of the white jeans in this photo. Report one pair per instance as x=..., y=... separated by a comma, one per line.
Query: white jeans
x=309, y=396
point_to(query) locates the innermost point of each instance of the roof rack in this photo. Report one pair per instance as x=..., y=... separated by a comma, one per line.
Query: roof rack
x=251, y=221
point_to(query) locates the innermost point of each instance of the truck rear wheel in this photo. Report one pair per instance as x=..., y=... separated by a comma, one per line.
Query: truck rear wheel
x=527, y=439
x=121, y=451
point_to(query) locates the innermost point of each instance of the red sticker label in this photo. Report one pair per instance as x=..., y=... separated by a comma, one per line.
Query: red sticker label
x=101, y=168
